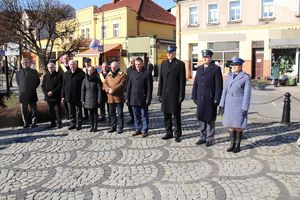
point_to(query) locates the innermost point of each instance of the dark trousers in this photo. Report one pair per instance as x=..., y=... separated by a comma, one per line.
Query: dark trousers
x=116, y=115
x=66, y=109
x=130, y=112
x=207, y=130
x=93, y=117
x=102, y=109
x=168, y=122
x=141, y=118
x=75, y=113
x=25, y=115
x=55, y=112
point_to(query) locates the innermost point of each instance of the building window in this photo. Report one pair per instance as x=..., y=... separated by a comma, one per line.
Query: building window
x=213, y=13
x=116, y=29
x=87, y=33
x=193, y=16
x=82, y=33
x=234, y=11
x=104, y=31
x=298, y=9
x=267, y=8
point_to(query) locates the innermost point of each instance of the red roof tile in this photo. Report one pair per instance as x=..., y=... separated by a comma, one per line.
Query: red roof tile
x=146, y=9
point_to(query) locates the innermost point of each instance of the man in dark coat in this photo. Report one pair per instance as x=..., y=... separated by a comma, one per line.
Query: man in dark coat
x=28, y=80
x=63, y=68
x=139, y=96
x=129, y=71
x=51, y=86
x=72, y=94
x=171, y=92
x=206, y=94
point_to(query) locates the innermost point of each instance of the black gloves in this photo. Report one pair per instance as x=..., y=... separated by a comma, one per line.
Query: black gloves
x=148, y=103
x=159, y=99
x=245, y=112
x=216, y=103
x=195, y=101
x=180, y=100
x=221, y=110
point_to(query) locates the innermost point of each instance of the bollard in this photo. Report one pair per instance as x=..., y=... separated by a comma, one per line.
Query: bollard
x=286, y=113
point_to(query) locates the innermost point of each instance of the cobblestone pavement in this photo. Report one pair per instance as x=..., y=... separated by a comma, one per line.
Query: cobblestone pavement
x=62, y=164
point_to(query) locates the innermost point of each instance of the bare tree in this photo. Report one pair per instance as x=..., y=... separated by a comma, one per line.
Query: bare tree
x=38, y=26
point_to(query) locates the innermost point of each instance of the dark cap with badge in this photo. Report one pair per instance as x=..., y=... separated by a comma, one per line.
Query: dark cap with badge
x=206, y=53
x=171, y=49
x=87, y=60
x=237, y=61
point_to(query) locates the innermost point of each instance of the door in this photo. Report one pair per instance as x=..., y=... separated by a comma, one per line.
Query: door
x=258, y=63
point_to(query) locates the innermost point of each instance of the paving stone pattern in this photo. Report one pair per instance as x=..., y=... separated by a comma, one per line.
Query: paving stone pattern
x=60, y=164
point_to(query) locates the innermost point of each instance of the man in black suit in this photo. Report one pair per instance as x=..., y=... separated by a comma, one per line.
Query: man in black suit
x=51, y=86
x=28, y=80
x=171, y=92
x=71, y=92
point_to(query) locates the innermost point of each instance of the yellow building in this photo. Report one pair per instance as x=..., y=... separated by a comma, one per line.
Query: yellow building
x=126, y=28
x=259, y=31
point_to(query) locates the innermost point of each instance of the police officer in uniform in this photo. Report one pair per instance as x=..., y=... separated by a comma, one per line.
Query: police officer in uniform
x=235, y=103
x=206, y=94
x=171, y=92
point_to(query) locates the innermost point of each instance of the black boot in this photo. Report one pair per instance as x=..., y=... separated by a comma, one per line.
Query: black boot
x=237, y=147
x=168, y=135
x=233, y=140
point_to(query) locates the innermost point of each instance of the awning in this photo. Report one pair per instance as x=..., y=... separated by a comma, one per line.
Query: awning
x=95, y=53
x=284, y=43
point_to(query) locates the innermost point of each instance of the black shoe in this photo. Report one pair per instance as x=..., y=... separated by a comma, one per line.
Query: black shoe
x=102, y=119
x=92, y=129
x=95, y=130
x=177, y=139
x=78, y=128
x=136, y=133
x=52, y=125
x=131, y=121
x=71, y=127
x=208, y=144
x=33, y=125
x=199, y=142
x=111, y=130
x=120, y=131
x=167, y=136
x=25, y=126
x=59, y=125
x=85, y=118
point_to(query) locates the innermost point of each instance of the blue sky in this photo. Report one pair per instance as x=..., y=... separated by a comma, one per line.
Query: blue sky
x=77, y=4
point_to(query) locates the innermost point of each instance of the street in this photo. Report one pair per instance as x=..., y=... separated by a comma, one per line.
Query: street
x=60, y=164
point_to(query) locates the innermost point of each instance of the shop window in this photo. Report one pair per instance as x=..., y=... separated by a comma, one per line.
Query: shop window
x=194, y=57
x=267, y=8
x=193, y=16
x=234, y=11
x=213, y=13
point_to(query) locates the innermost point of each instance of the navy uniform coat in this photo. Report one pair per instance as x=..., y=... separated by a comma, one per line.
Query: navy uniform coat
x=171, y=86
x=236, y=98
x=28, y=80
x=207, y=89
x=139, y=88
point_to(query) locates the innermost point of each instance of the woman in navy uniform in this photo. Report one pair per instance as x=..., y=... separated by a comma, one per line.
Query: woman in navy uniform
x=235, y=103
